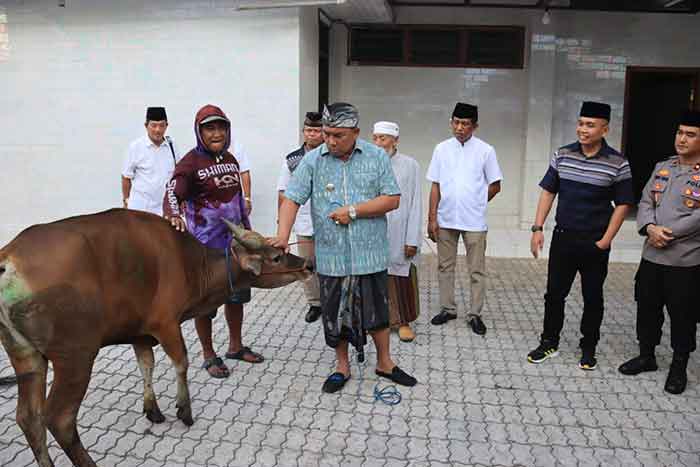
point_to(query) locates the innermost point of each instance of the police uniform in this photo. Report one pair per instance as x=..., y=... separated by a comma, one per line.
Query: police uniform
x=668, y=276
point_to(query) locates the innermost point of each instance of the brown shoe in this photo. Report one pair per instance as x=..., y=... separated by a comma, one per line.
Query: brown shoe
x=406, y=334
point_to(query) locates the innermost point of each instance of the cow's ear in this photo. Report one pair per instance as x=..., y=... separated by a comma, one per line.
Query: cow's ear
x=252, y=263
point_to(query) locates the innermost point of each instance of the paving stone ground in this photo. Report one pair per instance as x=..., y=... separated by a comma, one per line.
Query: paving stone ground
x=479, y=403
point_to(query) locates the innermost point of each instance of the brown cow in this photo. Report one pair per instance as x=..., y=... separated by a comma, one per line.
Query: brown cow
x=118, y=277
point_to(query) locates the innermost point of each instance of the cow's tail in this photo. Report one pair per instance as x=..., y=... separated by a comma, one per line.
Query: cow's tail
x=11, y=289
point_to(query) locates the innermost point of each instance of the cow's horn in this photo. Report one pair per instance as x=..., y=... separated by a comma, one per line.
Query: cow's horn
x=240, y=234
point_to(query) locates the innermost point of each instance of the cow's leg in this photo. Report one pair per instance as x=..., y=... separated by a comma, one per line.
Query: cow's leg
x=144, y=355
x=31, y=371
x=174, y=346
x=70, y=381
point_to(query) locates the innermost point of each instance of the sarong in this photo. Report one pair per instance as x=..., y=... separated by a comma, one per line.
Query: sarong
x=352, y=306
x=404, y=301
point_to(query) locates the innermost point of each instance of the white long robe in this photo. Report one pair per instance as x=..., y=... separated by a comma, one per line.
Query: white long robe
x=405, y=224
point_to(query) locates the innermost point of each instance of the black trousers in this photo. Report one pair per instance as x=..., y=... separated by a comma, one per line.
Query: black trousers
x=675, y=287
x=572, y=252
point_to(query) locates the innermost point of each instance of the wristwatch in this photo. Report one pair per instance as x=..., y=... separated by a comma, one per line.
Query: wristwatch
x=536, y=228
x=352, y=213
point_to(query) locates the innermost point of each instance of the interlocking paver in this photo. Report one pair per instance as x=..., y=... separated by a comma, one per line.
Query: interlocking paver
x=479, y=403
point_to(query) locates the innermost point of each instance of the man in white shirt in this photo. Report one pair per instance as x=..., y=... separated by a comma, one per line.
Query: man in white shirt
x=149, y=164
x=465, y=176
x=303, y=227
x=404, y=231
x=241, y=156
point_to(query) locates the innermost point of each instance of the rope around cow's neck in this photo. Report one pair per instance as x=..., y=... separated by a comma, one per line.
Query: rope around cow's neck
x=229, y=269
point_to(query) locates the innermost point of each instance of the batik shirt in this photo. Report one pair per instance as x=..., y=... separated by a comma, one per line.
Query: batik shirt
x=362, y=246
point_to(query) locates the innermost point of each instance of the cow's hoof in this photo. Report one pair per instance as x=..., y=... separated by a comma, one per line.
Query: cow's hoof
x=185, y=415
x=154, y=415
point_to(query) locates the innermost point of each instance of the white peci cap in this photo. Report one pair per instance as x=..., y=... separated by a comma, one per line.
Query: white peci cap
x=386, y=128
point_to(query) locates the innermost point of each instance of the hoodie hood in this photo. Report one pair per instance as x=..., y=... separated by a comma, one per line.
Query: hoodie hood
x=205, y=113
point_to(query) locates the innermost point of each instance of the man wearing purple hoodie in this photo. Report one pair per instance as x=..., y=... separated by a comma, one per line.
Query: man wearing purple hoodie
x=207, y=181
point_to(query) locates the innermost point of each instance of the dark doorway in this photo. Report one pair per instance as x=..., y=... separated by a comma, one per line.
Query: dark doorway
x=654, y=100
x=324, y=48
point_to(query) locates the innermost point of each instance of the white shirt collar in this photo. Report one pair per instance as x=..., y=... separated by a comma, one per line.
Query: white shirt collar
x=151, y=144
x=466, y=144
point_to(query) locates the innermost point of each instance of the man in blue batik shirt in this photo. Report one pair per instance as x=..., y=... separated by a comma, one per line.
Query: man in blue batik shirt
x=351, y=187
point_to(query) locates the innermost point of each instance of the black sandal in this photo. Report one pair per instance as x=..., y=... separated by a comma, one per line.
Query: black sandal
x=219, y=364
x=240, y=355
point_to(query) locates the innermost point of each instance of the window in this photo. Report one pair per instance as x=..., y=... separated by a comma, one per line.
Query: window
x=378, y=45
x=420, y=45
x=487, y=48
x=439, y=47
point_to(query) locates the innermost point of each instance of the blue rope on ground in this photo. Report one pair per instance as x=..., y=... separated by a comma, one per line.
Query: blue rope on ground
x=390, y=395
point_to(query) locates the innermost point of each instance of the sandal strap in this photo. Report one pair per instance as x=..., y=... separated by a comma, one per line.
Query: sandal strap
x=212, y=361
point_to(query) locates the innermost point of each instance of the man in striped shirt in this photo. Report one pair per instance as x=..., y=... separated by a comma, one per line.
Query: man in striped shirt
x=589, y=176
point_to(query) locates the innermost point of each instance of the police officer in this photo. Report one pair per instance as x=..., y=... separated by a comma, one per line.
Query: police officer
x=669, y=215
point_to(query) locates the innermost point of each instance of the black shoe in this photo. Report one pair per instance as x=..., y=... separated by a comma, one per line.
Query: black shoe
x=442, y=317
x=588, y=361
x=335, y=383
x=398, y=376
x=313, y=314
x=638, y=365
x=477, y=325
x=677, y=378
x=545, y=350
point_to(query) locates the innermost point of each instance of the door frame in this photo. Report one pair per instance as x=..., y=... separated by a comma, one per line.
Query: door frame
x=631, y=70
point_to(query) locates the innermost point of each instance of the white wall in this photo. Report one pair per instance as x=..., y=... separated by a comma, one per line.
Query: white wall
x=77, y=81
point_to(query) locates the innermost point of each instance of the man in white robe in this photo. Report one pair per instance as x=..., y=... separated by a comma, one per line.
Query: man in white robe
x=404, y=232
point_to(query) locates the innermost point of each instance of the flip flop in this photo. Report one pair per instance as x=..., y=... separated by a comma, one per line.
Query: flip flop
x=335, y=383
x=8, y=380
x=218, y=363
x=240, y=355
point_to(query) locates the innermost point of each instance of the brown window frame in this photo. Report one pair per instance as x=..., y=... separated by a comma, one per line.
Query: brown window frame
x=462, y=62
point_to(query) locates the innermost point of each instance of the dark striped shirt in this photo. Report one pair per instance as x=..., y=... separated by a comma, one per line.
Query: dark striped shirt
x=587, y=186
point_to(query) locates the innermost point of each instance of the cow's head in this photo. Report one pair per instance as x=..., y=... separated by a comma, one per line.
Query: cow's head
x=269, y=267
